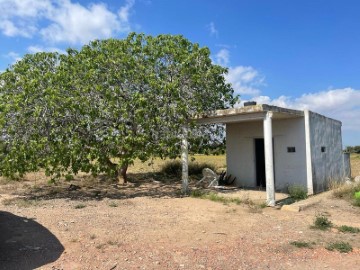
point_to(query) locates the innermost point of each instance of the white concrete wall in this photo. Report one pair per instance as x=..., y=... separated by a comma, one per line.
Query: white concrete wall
x=290, y=168
x=326, y=166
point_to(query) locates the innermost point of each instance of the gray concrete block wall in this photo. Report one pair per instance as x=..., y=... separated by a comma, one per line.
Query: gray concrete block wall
x=326, y=151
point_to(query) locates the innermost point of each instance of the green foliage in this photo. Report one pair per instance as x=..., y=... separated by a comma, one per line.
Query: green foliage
x=342, y=247
x=297, y=192
x=348, y=229
x=353, y=149
x=174, y=168
x=69, y=177
x=301, y=244
x=321, y=222
x=99, y=108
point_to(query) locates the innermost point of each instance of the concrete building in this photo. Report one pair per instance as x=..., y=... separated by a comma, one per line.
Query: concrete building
x=274, y=147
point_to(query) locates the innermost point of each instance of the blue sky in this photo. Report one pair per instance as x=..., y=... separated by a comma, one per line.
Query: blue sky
x=297, y=54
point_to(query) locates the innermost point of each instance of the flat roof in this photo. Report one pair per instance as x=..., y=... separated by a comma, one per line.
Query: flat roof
x=248, y=113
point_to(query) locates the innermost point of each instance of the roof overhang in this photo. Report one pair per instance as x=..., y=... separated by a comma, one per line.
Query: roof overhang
x=248, y=113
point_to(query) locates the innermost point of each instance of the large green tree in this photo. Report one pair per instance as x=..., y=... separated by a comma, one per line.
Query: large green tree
x=99, y=108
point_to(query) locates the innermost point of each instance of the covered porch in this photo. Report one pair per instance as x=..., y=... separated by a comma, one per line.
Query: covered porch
x=251, y=134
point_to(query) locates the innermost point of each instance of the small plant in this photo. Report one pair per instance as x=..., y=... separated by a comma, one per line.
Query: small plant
x=112, y=243
x=113, y=204
x=92, y=237
x=348, y=229
x=321, y=222
x=301, y=244
x=100, y=246
x=297, y=192
x=80, y=206
x=69, y=177
x=342, y=247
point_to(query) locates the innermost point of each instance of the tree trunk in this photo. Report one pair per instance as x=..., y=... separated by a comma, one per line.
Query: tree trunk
x=184, y=161
x=121, y=175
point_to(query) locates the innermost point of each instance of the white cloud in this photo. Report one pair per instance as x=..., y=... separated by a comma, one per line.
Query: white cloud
x=223, y=57
x=245, y=80
x=342, y=104
x=19, y=17
x=212, y=29
x=124, y=11
x=13, y=56
x=10, y=29
x=62, y=20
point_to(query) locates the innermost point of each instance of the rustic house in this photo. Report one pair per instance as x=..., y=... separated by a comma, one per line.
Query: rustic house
x=273, y=147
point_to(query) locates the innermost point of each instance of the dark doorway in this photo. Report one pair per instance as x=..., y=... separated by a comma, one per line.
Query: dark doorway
x=260, y=163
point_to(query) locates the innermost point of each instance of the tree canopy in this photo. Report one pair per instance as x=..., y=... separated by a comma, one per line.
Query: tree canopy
x=99, y=108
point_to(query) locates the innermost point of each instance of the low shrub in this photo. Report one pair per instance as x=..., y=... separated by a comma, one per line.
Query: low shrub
x=321, y=222
x=342, y=247
x=69, y=177
x=297, y=192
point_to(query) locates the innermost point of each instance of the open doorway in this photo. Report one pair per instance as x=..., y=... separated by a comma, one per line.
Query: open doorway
x=260, y=163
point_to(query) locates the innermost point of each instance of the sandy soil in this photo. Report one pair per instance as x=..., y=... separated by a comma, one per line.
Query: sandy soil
x=148, y=225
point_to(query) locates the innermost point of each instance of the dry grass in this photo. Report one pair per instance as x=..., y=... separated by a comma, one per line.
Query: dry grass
x=156, y=164
x=355, y=164
x=21, y=202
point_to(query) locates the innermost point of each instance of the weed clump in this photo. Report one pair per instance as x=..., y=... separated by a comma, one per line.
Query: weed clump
x=113, y=204
x=80, y=206
x=348, y=229
x=297, y=192
x=321, y=222
x=342, y=247
x=301, y=244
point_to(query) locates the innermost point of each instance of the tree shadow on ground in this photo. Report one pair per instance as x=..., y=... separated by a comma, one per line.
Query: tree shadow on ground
x=86, y=187
x=26, y=244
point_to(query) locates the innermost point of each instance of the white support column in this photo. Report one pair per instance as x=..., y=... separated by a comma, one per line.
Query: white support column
x=309, y=175
x=184, y=161
x=269, y=160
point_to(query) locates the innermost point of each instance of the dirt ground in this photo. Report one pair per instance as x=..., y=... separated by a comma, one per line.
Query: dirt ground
x=148, y=225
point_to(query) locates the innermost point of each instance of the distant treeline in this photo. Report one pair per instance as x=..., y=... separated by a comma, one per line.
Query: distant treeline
x=353, y=149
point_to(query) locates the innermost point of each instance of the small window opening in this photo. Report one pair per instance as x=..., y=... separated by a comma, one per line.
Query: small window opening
x=291, y=149
x=323, y=149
